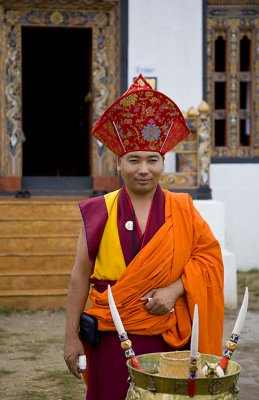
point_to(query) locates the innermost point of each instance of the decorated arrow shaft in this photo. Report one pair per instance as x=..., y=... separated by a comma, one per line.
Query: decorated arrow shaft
x=231, y=344
x=126, y=344
x=193, y=353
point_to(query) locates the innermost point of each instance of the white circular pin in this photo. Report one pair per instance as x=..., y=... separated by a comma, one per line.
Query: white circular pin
x=129, y=225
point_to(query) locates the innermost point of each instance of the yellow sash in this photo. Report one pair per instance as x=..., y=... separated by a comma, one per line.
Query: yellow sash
x=110, y=263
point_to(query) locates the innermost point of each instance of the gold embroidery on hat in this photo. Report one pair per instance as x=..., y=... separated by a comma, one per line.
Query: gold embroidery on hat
x=150, y=111
x=154, y=100
x=141, y=82
x=130, y=100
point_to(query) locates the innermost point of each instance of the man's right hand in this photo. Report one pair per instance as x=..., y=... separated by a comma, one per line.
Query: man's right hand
x=72, y=350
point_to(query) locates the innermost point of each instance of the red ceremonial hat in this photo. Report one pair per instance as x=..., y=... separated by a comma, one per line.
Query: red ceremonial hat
x=141, y=119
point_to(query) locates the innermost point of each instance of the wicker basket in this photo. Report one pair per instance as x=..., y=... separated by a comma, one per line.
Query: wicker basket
x=175, y=364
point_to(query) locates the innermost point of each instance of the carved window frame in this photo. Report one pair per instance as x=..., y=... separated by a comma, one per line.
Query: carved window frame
x=232, y=21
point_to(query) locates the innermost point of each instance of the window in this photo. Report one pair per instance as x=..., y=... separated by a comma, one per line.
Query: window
x=232, y=79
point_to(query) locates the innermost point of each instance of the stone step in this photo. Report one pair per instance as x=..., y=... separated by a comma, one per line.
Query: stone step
x=38, y=208
x=14, y=245
x=36, y=263
x=38, y=238
x=34, y=282
x=33, y=298
x=36, y=226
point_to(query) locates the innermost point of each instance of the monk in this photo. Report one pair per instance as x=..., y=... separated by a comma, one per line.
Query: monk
x=151, y=245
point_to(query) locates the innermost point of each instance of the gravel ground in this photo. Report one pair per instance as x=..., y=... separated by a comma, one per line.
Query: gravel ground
x=32, y=366
x=31, y=352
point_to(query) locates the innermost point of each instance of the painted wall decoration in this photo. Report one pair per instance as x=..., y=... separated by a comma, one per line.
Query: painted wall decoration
x=193, y=153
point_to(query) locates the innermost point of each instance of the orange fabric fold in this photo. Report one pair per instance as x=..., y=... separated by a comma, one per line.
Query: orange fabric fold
x=183, y=247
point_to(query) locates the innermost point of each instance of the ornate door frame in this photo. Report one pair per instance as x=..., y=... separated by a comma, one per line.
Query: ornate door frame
x=103, y=17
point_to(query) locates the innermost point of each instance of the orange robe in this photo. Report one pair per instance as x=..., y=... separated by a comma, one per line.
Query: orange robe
x=184, y=247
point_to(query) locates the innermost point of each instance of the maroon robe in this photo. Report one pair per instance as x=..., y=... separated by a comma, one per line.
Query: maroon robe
x=108, y=374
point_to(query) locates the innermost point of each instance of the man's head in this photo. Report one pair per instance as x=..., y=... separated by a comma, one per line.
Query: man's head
x=141, y=171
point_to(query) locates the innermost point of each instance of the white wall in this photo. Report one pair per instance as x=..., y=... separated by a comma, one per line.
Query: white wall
x=237, y=185
x=165, y=41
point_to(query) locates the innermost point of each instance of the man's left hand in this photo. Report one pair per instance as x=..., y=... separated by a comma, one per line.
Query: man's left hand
x=161, y=301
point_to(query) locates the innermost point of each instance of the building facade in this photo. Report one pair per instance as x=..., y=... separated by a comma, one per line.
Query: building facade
x=62, y=63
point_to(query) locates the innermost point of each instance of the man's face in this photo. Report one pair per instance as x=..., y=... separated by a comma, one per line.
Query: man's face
x=141, y=170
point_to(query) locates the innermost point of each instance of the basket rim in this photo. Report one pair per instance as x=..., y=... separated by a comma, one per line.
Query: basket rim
x=233, y=374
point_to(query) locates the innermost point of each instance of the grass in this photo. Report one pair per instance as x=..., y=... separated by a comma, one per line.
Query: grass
x=36, y=347
x=255, y=269
x=4, y=335
x=251, y=280
x=29, y=358
x=4, y=372
x=31, y=346
x=69, y=388
x=52, y=385
x=33, y=395
x=10, y=310
x=7, y=311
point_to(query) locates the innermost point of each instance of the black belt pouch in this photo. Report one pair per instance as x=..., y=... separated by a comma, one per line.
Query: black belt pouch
x=89, y=329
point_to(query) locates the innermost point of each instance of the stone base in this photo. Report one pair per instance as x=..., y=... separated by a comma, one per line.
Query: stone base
x=204, y=193
x=106, y=183
x=230, y=279
x=10, y=183
x=214, y=214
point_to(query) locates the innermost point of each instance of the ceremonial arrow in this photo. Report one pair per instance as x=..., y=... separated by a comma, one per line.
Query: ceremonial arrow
x=126, y=344
x=219, y=369
x=193, y=353
x=231, y=344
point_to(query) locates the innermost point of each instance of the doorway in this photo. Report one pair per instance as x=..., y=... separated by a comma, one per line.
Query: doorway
x=56, y=101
